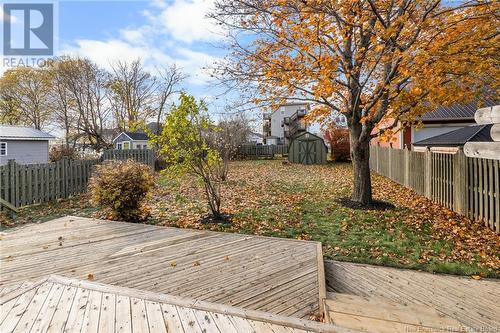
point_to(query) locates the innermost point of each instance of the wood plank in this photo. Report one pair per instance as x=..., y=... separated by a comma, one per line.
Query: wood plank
x=123, y=314
x=207, y=322
x=171, y=317
x=490, y=150
x=108, y=313
x=139, y=321
x=92, y=311
x=224, y=324
x=77, y=312
x=63, y=310
x=155, y=317
x=188, y=320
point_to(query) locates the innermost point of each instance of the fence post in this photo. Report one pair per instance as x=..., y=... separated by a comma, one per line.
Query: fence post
x=460, y=190
x=407, y=168
x=428, y=174
x=390, y=150
x=14, y=190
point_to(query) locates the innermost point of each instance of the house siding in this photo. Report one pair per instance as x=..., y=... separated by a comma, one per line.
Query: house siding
x=278, y=115
x=138, y=144
x=121, y=138
x=26, y=152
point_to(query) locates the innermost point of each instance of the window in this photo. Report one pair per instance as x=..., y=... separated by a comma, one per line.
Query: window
x=119, y=145
x=126, y=145
x=3, y=148
x=145, y=147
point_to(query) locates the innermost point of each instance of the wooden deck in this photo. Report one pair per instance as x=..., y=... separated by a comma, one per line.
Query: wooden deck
x=280, y=276
x=475, y=304
x=60, y=304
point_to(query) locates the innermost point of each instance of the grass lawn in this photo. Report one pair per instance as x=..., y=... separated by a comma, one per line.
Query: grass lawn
x=295, y=201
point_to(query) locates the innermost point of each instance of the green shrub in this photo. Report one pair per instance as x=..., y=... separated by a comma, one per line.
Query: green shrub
x=122, y=186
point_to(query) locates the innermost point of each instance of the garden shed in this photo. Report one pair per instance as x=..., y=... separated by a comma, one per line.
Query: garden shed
x=307, y=148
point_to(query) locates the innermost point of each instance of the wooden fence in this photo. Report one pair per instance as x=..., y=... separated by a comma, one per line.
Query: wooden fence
x=23, y=185
x=257, y=151
x=144, y=156
x=468, y=186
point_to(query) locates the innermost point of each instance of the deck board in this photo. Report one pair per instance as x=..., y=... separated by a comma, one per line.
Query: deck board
x=475, y=304
x=281, y=276
x=109, y=308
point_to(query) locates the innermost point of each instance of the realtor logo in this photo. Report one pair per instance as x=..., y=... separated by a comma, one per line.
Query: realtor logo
x=28, y=29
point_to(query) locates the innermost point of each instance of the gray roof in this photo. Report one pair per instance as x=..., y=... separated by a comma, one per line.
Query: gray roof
x=8, y=132
x=459, y=137
x=257, y=134
x=139, y=136
x=461, y=112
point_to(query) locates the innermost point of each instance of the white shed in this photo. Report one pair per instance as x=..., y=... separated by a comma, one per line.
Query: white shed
x=25, y=145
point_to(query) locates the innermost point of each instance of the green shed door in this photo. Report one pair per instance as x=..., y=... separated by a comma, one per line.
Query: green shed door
x=307, y=152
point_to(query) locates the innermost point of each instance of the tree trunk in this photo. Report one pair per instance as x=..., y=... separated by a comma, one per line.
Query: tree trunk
x=360, y=155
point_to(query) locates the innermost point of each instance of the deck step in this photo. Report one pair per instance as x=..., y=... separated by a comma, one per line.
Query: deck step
x=375, y=314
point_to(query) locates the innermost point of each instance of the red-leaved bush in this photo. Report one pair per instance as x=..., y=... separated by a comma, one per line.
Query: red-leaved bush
x=338, y=138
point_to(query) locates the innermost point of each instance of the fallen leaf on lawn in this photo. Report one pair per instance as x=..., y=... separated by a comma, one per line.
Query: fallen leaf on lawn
x=173, y=264
x=476, y=277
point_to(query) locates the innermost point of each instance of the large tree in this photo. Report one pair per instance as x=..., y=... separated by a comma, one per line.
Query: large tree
x=132, y=94
x=61, y=103
x=371, y=60
x=24, y=97
x=86, y=87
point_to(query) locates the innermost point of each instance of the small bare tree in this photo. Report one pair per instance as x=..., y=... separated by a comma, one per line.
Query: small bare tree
x=168, y=80
x=227, y=137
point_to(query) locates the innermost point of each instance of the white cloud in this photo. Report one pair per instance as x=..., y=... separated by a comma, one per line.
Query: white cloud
x=104, y=53
x=136, y=36
x=159, y=4
x=187, y=21
x=195, y=64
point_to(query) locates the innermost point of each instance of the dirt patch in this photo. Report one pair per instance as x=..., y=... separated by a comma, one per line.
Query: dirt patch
x=375, y=205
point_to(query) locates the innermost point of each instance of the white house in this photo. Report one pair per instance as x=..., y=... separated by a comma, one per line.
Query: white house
x=131, y=140
x=255, y=138
x=283, y=123
x=25, y=145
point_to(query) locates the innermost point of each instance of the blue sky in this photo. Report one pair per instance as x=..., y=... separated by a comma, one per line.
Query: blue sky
x=161, y=32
